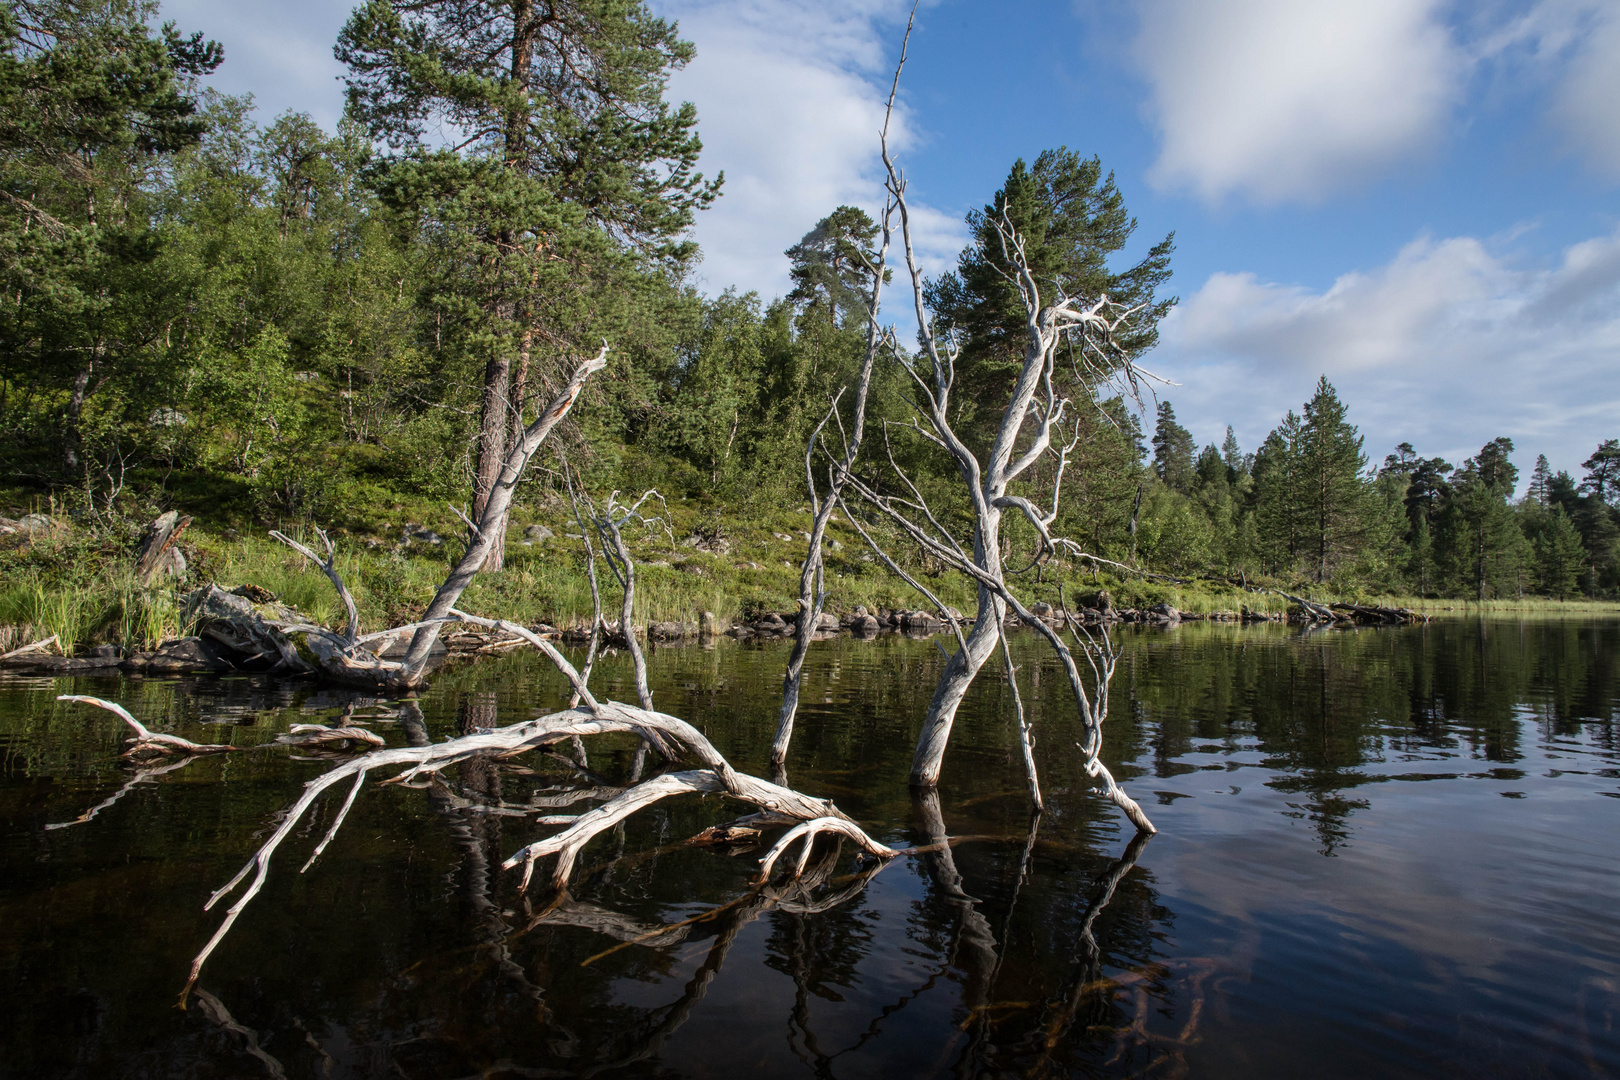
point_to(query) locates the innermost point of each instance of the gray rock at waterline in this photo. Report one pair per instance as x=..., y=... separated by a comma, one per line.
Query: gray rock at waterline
x=1165, y=613
x=865, y=626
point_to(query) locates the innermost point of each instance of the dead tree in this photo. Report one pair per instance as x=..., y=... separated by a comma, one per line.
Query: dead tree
x=812, y=576
x=491, y=521
x=1032, y=429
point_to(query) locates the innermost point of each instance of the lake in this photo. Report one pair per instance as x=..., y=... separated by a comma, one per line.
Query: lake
x=1390, y=852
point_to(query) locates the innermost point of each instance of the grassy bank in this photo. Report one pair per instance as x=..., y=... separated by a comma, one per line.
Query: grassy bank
x=74, y=578
x=1530, y=605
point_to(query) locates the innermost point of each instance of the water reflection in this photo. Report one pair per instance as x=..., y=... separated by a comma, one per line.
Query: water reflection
x=1386, y=852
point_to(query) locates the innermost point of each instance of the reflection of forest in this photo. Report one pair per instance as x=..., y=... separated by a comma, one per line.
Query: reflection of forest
x=1323, y=709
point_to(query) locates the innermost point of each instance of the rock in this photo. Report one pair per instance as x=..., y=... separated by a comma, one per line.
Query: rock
x=827, y=621
x=668, y=631
x=770, y=623
x=537, y=533
x=65, y=665
x=953, y=613
x=865, y=626
x=414, y=531
x=708, y=625
x=834, y=545
x=1165, y=613
x=33, y=523
x=786, y=538
x=859, y=613
x=919, y=620
x=105, y=652
x=187, y=655
x=1042, y=610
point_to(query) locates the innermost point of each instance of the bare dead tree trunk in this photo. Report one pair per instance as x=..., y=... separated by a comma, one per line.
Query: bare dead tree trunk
x=492, y=518
x=812, y=576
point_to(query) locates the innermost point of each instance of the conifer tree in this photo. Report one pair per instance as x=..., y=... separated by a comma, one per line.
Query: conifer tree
x=1279, y=522
x=569, y=156
x=91, y=100
x=1541, y=482
x=1073, y=221
x=1332, y=496
x=1560, y=556
x=1173, y=448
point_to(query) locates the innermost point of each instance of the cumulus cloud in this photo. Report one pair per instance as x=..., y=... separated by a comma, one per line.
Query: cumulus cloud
x=1448, y=345
x=1587, y=105
x=1286, y=101
x=790, y=97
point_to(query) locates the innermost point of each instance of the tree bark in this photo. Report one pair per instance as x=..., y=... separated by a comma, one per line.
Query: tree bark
x=492, y=453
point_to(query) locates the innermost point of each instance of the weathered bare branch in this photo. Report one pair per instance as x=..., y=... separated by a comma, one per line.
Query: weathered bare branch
x=495, y=507
x=328, y=567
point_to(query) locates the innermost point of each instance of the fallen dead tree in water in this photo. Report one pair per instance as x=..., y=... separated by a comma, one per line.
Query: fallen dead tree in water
x=670, y=737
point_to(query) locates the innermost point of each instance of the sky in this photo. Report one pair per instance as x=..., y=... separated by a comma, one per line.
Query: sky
x=1416, y=199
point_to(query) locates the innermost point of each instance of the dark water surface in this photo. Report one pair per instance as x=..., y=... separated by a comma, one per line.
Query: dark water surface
x=1382, y=853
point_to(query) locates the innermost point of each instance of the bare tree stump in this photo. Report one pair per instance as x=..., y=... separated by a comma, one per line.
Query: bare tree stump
x=159, y=556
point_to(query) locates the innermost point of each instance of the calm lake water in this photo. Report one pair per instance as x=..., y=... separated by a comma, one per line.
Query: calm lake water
x=1382, y=853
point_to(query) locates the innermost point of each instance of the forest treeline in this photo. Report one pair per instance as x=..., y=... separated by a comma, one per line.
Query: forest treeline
x=269, y=322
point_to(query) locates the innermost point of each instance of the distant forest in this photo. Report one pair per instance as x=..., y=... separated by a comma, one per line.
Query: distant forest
x=269, y=323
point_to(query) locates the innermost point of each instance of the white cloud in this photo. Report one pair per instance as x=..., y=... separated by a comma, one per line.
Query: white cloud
x=1284, y=100
x=1587, y=106
x=790, y=97
x=1447, y=346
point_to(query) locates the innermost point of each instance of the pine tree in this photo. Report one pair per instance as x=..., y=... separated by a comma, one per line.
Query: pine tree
x=1481, y=539
x=92, y=101
x=1072, y=219
x=1173, y=448
x=1559, y=555
x=570, y=158
x=1603, y=473
x=1237, y=464
x=1279, y=522
x=1330, y=483
x=1541, y=482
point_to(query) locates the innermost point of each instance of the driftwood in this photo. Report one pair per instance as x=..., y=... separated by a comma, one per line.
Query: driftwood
x=40, y=646
x=499, y=500
x=717, y=776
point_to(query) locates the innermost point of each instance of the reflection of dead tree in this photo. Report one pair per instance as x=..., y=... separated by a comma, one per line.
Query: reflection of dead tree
x=796, y=896
x=216, y=1013
x=1086, y=980
x=142, y=775
x=148, y=743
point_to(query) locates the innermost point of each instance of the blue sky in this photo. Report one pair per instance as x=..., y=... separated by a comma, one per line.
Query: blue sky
x=1417, y=199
